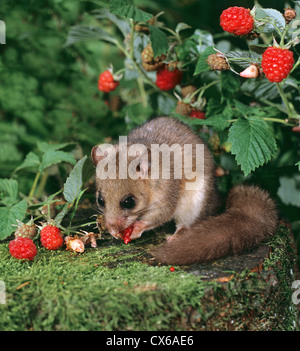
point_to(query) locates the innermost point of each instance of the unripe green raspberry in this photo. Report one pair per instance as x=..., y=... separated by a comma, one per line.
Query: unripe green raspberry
x=217, y=62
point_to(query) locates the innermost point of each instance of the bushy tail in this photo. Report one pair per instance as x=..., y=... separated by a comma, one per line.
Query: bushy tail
x=249, y=218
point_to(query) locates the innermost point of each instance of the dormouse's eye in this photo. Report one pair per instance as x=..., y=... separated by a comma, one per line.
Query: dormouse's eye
x=128, y=203
x=100, y=201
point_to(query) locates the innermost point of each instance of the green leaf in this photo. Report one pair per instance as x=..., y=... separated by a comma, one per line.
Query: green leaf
x=243, y=58
x=124, y=9
x=230, y=84
x=45, y=147
x=289, y=190
x=159, y=41
x=62, y=213
x=272, y=15
x=181, y=26
x=9, y=216
x=252, y=143
x=32, y=160
x=83, y=33
x=8, y=191
x=123, y=25
x=298, y=164
x=202, y=64
x=74, y=182
x=242, y=108
x=53, y=157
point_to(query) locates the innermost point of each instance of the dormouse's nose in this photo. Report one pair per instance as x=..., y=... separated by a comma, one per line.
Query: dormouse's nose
x=114, y=225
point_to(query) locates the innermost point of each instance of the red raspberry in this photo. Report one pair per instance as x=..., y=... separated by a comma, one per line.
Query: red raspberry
x=172, y=269
x=197, y=114
x=106, y=82
x=126, y=234
x=237, y=20
x=51, y=237
x=22, y=248
x=167, y=80
x=277, y=63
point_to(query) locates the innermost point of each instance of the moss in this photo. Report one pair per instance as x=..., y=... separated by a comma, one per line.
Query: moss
x=117, y=287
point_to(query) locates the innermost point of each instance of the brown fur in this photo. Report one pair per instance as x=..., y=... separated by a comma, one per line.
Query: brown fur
x=250, y=217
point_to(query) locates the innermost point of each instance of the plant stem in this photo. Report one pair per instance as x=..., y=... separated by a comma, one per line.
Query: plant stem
x=42, y=184
x=36, y=179
x=82, y=225
x=131, y=39
x=277, y=106
x=278, y=120
x=283, y=35
x=284, y=99
x=295, y=65
x=142, y=91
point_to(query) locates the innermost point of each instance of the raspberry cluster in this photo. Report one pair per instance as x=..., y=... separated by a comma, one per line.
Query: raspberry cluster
x=23, y=247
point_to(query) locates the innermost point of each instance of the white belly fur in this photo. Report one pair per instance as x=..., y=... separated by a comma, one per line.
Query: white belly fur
x=189, y=207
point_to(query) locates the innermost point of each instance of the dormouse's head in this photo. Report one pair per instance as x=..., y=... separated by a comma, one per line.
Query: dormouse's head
x=123, y=188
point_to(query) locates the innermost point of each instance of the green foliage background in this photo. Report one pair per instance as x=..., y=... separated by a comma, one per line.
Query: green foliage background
x=48, y=92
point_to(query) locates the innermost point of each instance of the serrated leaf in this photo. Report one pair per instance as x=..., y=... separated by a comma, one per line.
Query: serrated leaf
x=53, y=157
x=9, y=216
x=32, y=160
x=159, y=41
x=125, y=9
x=83, y=33
x=252, y=143
x=202, y=64
x=74, y=182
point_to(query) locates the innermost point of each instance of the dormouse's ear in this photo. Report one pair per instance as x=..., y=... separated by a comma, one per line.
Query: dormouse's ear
x=139, y=167
x=144, y=164
x=96, y=155
x=99, y=152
